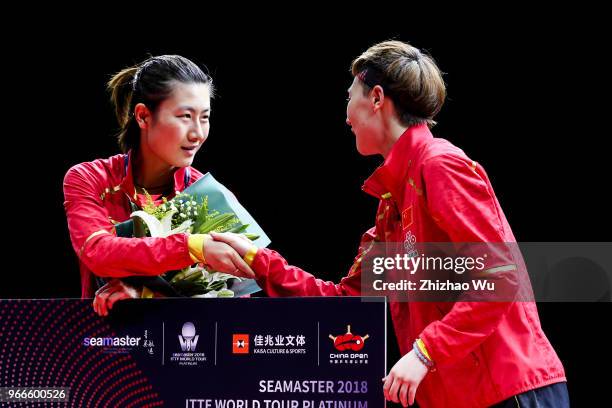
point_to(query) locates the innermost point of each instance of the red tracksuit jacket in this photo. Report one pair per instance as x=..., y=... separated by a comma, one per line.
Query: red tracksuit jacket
x=97, y=195
x=484, y=352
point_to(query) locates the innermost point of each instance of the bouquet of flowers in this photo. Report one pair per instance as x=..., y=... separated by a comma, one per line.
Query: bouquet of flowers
x=204, y=207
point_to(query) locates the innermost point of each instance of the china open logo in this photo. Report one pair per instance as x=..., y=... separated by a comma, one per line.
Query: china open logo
x=349, y=341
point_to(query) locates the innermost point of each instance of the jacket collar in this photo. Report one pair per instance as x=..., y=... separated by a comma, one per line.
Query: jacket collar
x=389, y=179
x=181, y=179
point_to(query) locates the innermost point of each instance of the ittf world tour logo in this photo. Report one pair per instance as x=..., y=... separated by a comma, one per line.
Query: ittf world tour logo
x=240, y=344
x=188, y=337
x=349, y=345
x=188, y=340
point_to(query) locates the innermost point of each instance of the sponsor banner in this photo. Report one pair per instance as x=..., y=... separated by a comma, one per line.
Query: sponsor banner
x=212, y=353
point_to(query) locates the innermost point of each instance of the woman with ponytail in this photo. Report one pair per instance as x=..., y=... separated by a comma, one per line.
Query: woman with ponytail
x=163, y=108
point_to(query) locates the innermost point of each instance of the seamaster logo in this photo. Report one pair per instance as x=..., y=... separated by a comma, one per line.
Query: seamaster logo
x=124, y=341
x=188, y=338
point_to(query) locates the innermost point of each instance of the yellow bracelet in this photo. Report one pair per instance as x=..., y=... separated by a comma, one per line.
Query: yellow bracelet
x=250, y=255
x=423, y=349
x=146, y=293
x=195, y=243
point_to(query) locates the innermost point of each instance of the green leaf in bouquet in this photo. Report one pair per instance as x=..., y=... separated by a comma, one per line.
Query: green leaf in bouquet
x=202, y=214
x=191, y=288
x=216, y=222
x=216, y=294
x=180, y=275
x=188, y=273
x=218, y=285
x=240, y=228
x=220, y=276
x=170, y=275
x=227, y=227
x=225, y=293
x=194, y=277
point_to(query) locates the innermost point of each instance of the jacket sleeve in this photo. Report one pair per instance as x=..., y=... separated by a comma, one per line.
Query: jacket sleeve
x=462, y=203
x=277, y=278
x=94, y=241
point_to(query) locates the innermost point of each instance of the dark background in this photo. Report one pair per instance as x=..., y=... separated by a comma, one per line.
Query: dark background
x=526, y=99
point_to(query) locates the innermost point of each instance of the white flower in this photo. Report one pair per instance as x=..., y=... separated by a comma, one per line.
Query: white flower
x=162, y=228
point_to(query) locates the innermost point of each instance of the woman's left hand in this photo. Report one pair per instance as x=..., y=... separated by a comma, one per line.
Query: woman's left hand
x=404, y=378
x=110, y=293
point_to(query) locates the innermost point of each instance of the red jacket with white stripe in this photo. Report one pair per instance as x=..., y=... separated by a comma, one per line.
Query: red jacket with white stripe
x=97, y=196
x=485, y=352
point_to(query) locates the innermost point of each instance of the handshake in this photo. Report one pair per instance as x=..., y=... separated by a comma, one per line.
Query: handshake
x=223, y=252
